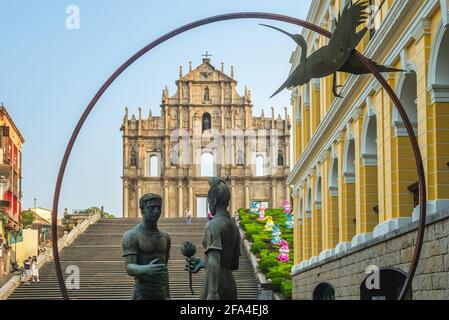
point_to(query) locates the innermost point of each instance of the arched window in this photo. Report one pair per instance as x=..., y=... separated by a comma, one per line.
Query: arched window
x=308, y=202
x=407, y=93
x=280, y=158
x=349, y=166
x=333, y=178
x=260, y=163
x=369, y=157
x=206, y=122
x=240, y=157
x=154, y=166
x=174, y=157
x=318, y=193
x=207, y=165
x=324, y=291
x=206, y=94
x=439, y=66
x=369, y=141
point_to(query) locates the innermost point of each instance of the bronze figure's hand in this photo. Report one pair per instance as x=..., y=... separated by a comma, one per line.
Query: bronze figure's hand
x=194, y=264
x=152, y=268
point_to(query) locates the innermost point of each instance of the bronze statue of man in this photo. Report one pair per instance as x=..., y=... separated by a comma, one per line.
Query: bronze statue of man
x=222, y=246
x=146, y=251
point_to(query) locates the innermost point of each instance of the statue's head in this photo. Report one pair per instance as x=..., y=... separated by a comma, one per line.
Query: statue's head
x=150, y=206
x=219, y=194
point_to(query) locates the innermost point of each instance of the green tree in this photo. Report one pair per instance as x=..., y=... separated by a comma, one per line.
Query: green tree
x=104, y=214
x=27, y=218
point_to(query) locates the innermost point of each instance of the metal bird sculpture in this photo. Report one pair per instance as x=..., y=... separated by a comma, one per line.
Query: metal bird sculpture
x=338, y=55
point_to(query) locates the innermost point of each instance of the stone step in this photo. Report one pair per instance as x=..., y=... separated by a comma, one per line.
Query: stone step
x=98, y=255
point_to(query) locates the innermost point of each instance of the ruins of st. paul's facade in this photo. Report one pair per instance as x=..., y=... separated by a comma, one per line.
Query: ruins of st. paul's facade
x=206, y=128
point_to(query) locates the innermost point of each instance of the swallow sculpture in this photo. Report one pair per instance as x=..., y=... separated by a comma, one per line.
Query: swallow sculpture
x=338, y=55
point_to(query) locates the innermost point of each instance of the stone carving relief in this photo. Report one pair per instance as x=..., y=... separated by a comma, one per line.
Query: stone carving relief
x=229, y=119
x=185, y=120
x=216, y=120
x=239, y=119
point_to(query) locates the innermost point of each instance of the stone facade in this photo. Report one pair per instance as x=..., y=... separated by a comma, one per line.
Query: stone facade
x=205, y=124
x=345, y=272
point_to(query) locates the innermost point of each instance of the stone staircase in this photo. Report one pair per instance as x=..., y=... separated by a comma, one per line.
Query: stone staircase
x=97, y=253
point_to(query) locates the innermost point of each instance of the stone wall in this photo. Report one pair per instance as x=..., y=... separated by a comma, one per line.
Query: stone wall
x=346, y=271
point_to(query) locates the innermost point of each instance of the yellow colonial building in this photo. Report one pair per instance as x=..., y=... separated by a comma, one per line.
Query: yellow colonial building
x=355, y=180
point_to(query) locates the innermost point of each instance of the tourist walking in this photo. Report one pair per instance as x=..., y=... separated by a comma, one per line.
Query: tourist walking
x=34, y=270
x=27, y=269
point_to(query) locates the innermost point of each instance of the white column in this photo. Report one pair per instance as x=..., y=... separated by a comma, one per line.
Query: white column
x=191, y=199
x=273, y=195
x=180, y=213
x=125, y=201
x=247, y=204
x=166, y=202
x=167, y=153
x=139, y=195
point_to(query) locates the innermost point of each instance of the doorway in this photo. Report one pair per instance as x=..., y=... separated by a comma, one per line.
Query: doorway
x=324, y=291
x=202, y=207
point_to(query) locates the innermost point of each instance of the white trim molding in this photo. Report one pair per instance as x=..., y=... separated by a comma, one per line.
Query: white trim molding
x=445, y=11
x=342, y=247
x=397, y=122
x=313, y=260
x=439, y=93
x=361, y=238
x=390, y=225
x=400, y=130
x=326, y=254
x=369, y=160
x=432, y=207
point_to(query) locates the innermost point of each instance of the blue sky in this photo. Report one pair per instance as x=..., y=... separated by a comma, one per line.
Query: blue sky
x=49, y=73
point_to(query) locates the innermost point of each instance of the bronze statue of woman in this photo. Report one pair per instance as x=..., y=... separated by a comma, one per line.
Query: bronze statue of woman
x=222, y=246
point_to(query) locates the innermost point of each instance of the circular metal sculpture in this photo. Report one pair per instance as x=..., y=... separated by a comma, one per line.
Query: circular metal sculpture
x=233, y=16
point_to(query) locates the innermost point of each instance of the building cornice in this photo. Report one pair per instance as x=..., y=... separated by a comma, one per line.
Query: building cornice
x=374, y=49
x=5, y=113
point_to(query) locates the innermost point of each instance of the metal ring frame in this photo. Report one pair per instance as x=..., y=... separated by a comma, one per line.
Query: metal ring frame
x=234, y=16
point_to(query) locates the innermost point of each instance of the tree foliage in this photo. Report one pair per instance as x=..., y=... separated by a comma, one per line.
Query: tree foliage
x=27, y=218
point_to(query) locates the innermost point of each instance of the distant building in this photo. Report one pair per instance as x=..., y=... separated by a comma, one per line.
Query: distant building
x=11, y=142
x=41, y=215
x=205, y=129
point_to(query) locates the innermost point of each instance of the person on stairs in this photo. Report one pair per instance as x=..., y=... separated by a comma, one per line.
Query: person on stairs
x=34, y=270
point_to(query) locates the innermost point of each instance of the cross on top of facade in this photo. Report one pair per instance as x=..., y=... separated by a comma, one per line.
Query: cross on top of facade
x=207, y=55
